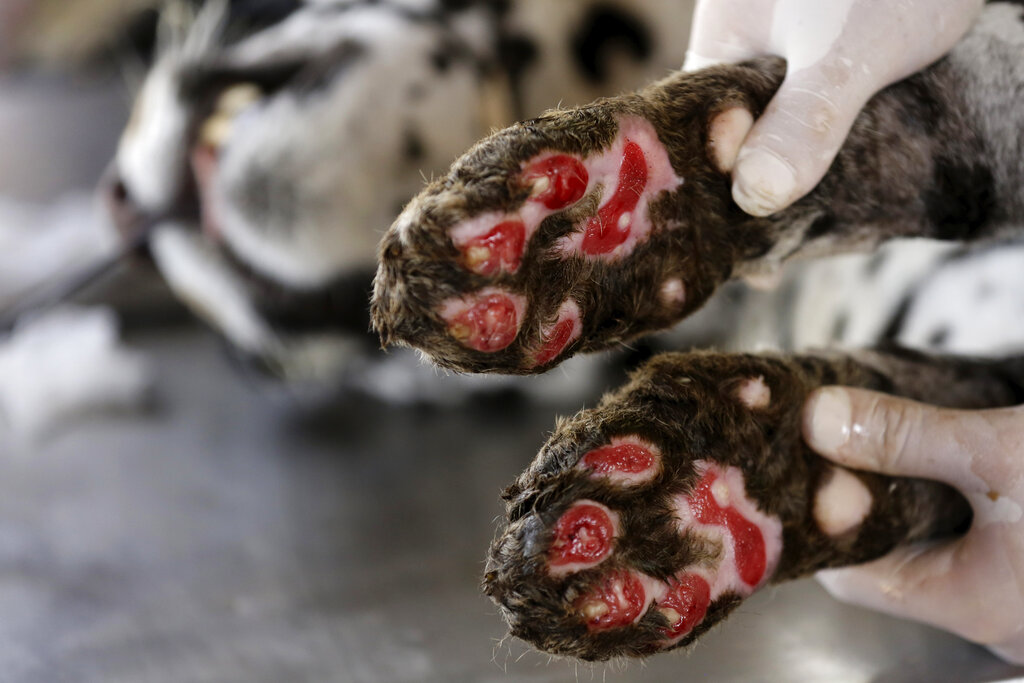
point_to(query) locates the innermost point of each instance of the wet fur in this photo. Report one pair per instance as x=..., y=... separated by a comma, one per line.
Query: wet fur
x=937, y=155
x=919, y=161
x=685, y=404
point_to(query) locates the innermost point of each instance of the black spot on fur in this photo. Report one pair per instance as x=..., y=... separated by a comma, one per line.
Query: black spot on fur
x=516, y=53
x=898, y=319
x=449, y=52
x=323, y=71
x=822, y=225
x=606, y=28
x=413, y=147
x=202, y=84
x=960, y=200
x=441, y=59
x=340, y=306
x=938, y=337
x=456, y=5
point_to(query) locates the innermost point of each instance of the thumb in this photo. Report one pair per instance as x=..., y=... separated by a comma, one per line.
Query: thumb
x=873, y=431
x=795, y=140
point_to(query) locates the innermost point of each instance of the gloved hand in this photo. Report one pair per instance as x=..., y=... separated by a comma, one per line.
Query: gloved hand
x=973, y=585
x=839, y=53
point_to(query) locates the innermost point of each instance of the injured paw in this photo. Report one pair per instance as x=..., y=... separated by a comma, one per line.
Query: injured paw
x=644, y=522
x=575, y=231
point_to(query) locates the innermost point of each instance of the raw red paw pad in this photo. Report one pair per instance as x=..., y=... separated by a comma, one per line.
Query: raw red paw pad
x=710, y=504
x=617, y=601
x=487, y=322
x=625, y=460
x=685, y=604
x=583, y=537
x=557, y=181
x=564, y=331
x=500, y=249
x=632, y=173
x=611, y=227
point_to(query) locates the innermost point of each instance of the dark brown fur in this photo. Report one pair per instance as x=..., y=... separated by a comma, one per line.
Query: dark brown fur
x=685, y=405
x=915, y=163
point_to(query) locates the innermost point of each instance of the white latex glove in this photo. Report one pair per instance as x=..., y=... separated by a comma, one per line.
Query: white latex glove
x=974, y=585
x=839, y=53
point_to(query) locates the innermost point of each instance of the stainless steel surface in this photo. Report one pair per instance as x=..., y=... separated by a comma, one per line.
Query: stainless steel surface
x=230, y=535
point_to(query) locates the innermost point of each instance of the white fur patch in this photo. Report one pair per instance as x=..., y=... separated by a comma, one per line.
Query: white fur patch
x=754, y=393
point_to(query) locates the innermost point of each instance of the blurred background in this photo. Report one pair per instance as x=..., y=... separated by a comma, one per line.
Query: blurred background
x=170, y=513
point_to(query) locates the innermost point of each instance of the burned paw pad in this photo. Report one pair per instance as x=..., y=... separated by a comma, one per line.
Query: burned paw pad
x=587, y=562
x=563, y=227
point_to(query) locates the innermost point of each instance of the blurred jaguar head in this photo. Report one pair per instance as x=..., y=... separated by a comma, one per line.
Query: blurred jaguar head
x=264, y=164
x=267, y=167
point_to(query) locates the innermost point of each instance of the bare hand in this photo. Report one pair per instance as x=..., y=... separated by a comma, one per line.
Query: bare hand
x=974, y=585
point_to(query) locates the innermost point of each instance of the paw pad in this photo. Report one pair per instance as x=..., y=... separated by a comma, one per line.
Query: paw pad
x=615, y=602
x=685, y=604
x=583, y=536
x=557, y=181
x=488, y=322
x=500, y=249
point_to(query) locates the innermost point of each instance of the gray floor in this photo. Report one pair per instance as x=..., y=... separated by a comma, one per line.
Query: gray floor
x=232, y=535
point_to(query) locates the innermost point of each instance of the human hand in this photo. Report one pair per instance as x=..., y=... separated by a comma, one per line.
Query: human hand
x=973, y=585
x=839, y=54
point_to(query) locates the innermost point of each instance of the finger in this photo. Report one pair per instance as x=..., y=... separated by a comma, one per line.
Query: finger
x=727, y=31
x=795, y=140
x=911, y=582
x=967, y=586
x=872, y=431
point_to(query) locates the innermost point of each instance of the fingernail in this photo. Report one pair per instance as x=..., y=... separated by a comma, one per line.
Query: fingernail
x=828, y=428
x=763, y=183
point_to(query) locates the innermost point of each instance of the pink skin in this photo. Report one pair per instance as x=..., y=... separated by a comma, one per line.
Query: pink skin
x=613, y=223
x=486, y=321
x=583, y=537
x=624, y=179
x=627, y=461
x=556, y=337
x=751, y=540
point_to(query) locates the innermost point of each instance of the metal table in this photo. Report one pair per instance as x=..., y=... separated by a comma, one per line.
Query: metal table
x=232, y=535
